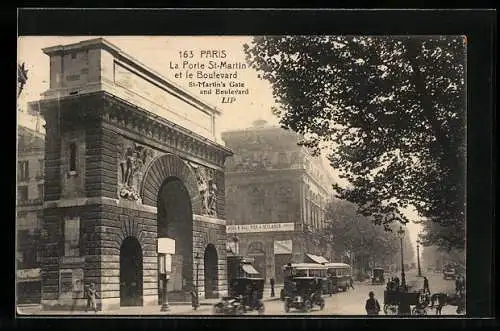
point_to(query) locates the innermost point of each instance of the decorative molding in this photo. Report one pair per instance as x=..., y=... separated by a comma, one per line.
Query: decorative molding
x=161, y=168
x=130, y=228
x=210, y=220
x=151, y=126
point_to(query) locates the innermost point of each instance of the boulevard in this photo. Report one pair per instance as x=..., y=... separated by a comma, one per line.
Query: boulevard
x=351, y=302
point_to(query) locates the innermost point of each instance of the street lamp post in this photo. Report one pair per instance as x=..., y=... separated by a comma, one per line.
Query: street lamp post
x=401, y=234
x=164, y=305
x=418, y=258
x=404, y=305
x=197, y=258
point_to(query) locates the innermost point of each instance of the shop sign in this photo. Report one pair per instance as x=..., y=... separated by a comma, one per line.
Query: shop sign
x=265, y=227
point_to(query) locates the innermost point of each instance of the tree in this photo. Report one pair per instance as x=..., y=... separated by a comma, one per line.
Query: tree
x=390, y=111
x=353, y=235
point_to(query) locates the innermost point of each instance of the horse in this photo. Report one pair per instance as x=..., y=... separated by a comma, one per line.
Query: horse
x=438, y=301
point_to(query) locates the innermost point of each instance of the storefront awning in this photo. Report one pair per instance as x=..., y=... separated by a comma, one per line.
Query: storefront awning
x=249, y=269
x=317, y=259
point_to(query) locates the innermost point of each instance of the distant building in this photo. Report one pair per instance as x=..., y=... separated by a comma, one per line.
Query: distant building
x=29, y=223
x=276, y=195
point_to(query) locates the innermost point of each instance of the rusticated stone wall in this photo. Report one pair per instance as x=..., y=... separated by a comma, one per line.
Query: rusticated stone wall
x=111, y=204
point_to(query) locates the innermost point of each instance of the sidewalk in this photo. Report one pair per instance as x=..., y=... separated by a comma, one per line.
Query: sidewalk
x=176, y=308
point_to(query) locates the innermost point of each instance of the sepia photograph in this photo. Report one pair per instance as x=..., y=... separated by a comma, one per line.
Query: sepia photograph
x=257, y=175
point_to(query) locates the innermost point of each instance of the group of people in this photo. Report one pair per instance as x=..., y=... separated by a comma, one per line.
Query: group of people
x=393, y=284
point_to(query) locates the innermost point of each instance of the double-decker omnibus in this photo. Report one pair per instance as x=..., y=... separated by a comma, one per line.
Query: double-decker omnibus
x=293, y=271
x=339, y=274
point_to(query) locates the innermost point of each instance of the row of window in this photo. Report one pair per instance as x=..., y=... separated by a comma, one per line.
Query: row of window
x=314, y=215
x=71, y=241
x=24, y=166
x=23, y=169
x=23, y=192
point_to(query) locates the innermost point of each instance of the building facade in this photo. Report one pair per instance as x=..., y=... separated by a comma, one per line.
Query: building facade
x=129, y=158
x=276, y=195
x=29, y=211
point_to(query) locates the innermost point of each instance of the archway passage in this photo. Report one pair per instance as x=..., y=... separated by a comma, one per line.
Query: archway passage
x=175, y=220
x=131, y=274
x=211, y=272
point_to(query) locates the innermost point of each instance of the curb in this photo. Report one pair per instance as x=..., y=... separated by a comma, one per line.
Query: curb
x=188, y=303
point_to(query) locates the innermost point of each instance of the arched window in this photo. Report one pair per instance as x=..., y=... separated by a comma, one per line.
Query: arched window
x=256, y=247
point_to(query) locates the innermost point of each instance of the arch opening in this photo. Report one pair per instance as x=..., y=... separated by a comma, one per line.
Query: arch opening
x=131, y=273
x=175, y=220
x=211, y=269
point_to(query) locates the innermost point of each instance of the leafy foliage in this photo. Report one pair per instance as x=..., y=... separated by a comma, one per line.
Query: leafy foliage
x=390, y=111
x=355, y=235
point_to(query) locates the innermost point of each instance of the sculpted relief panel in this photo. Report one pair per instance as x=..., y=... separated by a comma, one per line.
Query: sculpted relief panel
x=205, y=178
x=133, y=159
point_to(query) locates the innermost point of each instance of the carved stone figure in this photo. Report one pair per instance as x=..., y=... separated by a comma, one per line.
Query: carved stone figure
x=133, y=160
x=212, y=198
x=207, y=189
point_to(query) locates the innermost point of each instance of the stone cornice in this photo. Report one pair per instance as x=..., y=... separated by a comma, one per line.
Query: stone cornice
x=65, y=203
x=130, y=118
x=118, y=54
x=208, y=219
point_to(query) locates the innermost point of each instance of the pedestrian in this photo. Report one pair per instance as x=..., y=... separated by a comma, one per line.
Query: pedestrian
x=91, y=298
x=194, y=299
x=372, y=306
x=271, y=281
x=426, y=285
x=351, y=282
x=461, y=285
x=457, y=284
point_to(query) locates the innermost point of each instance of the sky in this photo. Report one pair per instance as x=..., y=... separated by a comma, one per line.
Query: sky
x=162, y=54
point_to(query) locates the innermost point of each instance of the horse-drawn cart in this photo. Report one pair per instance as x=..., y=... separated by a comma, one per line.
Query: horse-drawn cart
x=393, y=299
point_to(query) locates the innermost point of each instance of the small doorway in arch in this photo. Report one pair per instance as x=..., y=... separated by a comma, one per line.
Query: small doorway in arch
x=131, y=274
x=211, y=272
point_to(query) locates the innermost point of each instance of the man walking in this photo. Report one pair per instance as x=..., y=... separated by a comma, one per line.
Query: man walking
x=194, y=299
x=372, y=306
x=351, y=283
x=271, y=281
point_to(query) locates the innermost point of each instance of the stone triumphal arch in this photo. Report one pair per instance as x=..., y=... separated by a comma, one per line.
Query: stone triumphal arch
x=129, y=157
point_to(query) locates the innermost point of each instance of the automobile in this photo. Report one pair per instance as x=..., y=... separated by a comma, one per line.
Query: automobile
x=303, y=286
x=378, y=276
x=246, y=288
